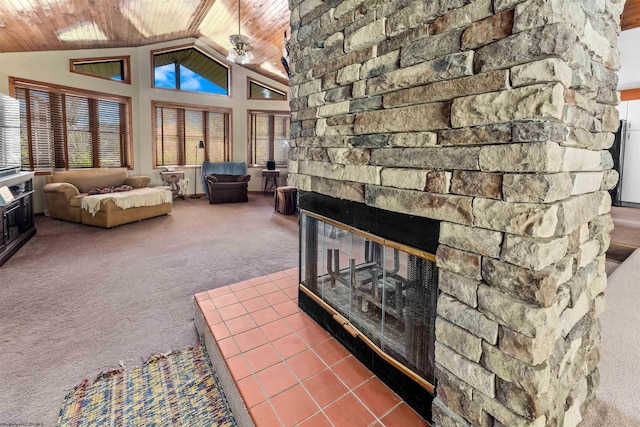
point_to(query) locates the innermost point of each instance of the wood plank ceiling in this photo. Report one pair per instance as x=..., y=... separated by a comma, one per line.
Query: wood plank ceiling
x=36, y=25
x=631, y=15
x=41, y=25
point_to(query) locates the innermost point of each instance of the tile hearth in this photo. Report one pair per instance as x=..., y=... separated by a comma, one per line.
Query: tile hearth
x=288, y=370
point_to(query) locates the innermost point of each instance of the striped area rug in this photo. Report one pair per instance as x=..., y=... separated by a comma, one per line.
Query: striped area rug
x=179, y=389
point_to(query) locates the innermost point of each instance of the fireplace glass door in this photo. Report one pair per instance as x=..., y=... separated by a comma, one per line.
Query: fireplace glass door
x=386, y=292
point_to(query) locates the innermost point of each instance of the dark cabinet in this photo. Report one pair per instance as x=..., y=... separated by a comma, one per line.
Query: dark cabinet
x=16, y=225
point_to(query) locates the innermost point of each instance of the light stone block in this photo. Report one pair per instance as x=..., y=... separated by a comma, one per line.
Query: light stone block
x=348, y=74
x=544, y=71
x=460, y=287
x=461, y=262
x=536, y=102
x=470, y=372
x=536, y=188
x=410, y=179
x=578, y=159
x=366, y=36
x=362, y=173
x=532, y=351
x=349, y=156
x=467, y=318
x=459, y=340
x=526, y=318
x=530, y=157
x=335, y=109
x=524, y=219
x=405, y=119
x=533, y=379
x=535, y=287
x=472, y=239
x=586, y=182
x=429, y=205
x=534, y=254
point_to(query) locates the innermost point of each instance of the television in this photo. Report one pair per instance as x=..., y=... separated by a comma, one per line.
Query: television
x=9, y=135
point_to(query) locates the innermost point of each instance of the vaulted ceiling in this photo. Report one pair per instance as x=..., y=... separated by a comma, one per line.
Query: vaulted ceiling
x=39, y=25
x=35, y=25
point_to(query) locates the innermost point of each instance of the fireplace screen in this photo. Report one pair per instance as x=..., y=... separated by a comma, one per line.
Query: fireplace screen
x=381, y=291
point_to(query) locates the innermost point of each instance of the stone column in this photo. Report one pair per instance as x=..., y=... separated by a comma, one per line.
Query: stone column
x=493, y=116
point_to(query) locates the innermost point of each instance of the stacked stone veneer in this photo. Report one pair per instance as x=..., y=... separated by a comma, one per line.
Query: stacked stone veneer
x=494, y=117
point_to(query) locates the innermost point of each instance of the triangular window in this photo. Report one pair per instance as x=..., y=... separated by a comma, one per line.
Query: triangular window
x=114, y=68
x=190, y=70
x=262, y=91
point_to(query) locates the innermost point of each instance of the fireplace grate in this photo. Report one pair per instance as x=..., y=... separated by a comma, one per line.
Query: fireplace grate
x=381, y=291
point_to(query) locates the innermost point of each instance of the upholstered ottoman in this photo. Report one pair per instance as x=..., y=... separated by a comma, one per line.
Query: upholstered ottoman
x=113, y=209
x=285, y=200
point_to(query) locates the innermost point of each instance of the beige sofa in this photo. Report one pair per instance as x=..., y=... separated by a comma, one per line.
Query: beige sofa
x=65, y=191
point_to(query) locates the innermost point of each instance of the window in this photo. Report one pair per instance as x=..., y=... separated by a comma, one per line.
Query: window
x=179, y=129
x=191, y=70
x=269, y=137
x=262, y=91
x=114, y=68
x=66, y=128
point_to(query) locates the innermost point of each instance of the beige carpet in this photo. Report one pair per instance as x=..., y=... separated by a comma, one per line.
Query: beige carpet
x=77, y=300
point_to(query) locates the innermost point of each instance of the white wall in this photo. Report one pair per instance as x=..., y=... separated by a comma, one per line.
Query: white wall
x=53, y=67
x=629, y=74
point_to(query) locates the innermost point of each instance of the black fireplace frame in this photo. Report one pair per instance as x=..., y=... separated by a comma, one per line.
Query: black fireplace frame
x=418, y=232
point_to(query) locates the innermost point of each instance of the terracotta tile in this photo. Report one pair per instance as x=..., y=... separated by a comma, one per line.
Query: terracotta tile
x=262, y=357
x=305, y=364
x=263, y=416
x=317, y=420
x=286, y=308
x=259, y=280
x=276, y=379
x=276, y=297
x=276, y=329
x=250, y=391
x=292, y=272
x=352, y=372
x=224, y=300
x=289, y=345
x=219, y=331
x=313, y=335
x=255, y=304
x=331, y=351
x=212, y=317
x=292, y=293
x=299, y=320
x=264, y=316
x=278, y=275
x=250, y=339
x=232, y=311
x=325, y=387
x=348, y=412
x=219, y=291
x=241, y=285
x=293, y=405
x=238, y=367
x=286, y=283
x=377, y=397
x=228, y=347
x=240, y=324
x=246, y=294
x=403, y=416
x=202, y=296
x=267, y=288
x=206, y=305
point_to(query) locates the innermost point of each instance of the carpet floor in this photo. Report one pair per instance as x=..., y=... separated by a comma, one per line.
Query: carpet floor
x=78, y=300
x=174, y=390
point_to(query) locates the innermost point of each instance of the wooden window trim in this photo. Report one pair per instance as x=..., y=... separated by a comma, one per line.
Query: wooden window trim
x=66, y=90
x=187, y=46
x=252, y=80
x=629, y=94
x=126, y=59
x=203, y=108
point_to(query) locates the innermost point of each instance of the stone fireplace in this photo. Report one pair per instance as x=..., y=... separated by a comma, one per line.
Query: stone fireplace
x=476, y=131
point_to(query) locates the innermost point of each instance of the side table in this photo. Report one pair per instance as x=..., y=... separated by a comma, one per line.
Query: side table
x=172, y=179
x=270, y=178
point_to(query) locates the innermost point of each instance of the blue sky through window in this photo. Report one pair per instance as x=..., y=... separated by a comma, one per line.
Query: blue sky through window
x=165, y=77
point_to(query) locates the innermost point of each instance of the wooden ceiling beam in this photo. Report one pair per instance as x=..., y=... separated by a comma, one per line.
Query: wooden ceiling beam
x=631, y=15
